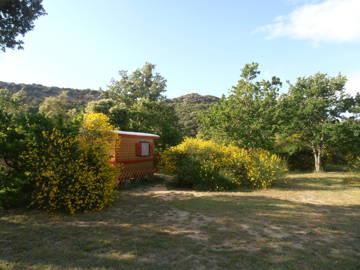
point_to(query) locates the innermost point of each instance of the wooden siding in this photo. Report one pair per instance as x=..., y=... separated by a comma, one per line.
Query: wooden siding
x=123, y=149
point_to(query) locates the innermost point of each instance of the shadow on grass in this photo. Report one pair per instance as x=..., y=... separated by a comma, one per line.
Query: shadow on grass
x=143, y=232
x=314, y=181
x=147, y=181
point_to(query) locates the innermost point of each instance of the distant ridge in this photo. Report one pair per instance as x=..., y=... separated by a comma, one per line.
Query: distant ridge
x=36, y=93
x=187, y=107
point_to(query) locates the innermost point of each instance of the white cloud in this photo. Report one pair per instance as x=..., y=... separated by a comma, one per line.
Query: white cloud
x=328, y=21
x=353, y=84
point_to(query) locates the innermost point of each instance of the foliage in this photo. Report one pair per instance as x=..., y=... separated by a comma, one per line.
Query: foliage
x=67, y=176
x=246, y=116
x=55, y=107
x=33, y=95
x=20, y=131
x=96, y=130
x=301, y=160
x=143, y=83
x=354, y=164
x=9, y=103
x=157, y=117
x=313, y=109
x=16, y=18
x=55, y=165
x=203, y=164
x=118, y=113
x=135, y=103
x=188, y=108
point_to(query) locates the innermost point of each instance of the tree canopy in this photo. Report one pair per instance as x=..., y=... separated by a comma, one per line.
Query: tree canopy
x=313, y=109
x=143, y=83
x=136, y=103
x=246, y=116
x=17, y=18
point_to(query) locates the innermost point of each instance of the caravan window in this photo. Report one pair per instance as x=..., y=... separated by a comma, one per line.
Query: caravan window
x=145, y=149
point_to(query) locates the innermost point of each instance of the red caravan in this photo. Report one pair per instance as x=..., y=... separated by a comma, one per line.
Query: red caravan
x=135, y=151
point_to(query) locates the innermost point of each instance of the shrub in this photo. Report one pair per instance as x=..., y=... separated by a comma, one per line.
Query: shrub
x=68, y=176
x=354, y=163
x=96, y=130
x=301, y=160
x=55, y=165
x=261, y=167
x=19, y=132
x=203, y=164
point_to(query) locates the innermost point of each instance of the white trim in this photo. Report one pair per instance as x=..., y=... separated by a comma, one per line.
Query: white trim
x=136, y=133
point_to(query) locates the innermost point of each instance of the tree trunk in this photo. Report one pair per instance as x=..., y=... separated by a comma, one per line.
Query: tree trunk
x=317, y=159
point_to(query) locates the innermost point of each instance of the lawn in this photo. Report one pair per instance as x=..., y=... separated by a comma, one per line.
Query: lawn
x=308, y=221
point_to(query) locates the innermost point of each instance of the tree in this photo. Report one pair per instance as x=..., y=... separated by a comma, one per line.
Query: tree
x=118, y=113
x=54, y=107
x=246, y=116
x=136, y=103
x=143, y=83
x=313, y=109
x=10, y=104
x=17, y=18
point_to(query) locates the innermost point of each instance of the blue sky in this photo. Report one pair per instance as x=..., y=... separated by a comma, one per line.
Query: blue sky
x=198, y=45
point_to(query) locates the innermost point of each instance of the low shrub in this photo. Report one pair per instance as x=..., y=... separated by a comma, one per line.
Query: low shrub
x=206, y=165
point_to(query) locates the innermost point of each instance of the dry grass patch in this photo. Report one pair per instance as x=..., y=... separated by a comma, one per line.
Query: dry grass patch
x=308, y=221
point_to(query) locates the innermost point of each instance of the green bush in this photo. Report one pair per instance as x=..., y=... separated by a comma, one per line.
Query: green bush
x=206, y=165
x=354, y=164
x=302, y=160
x=53, y=165
x=192, y=173
x=68, y=177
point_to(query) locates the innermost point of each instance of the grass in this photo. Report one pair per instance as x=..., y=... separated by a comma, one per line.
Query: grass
x=308, y=221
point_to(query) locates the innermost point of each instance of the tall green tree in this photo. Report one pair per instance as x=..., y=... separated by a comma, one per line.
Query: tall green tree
x=17, y=18
x=136, y=102
x=314, y=109
x=246, y=116
x=143, y=83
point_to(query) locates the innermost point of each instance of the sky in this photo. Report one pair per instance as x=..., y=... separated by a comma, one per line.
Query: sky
x=197, y=45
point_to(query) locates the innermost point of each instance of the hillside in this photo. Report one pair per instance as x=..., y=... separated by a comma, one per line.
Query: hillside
x=188, y=107
x=36, y=93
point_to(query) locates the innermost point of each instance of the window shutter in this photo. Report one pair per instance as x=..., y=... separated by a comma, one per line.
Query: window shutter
x=138, y=149
x=151, y=149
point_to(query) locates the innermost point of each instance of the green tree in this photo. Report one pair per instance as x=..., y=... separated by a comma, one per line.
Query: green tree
x=10, y=104
x=16, y=18
x=313, y=109
x=136, y=103
x=55, y=107
x=246, y=116
x=118, y=113
x=143, y=83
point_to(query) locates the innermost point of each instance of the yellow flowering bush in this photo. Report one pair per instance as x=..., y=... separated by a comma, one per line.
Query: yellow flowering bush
x=96, y=130
x=203, y=164
x=69, y=177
